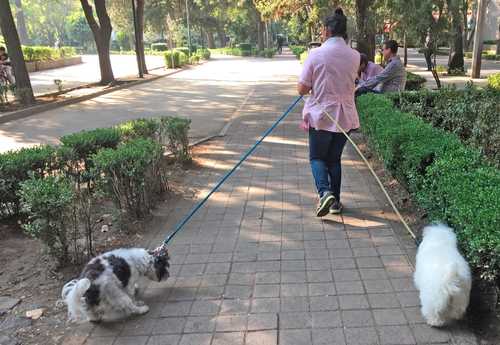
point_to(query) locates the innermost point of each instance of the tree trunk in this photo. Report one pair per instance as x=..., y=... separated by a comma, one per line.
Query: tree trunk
x=456, y=57
x=498, y=40
x=222, y=35
x=210, y=39
x=24, y=90
x=365, y=28
x=260, y=33
x=21, y=23
x=405, y=50
x=102, y=36
x=140, y=35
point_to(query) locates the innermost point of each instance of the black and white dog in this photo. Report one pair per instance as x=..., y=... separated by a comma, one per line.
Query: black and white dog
x=107, y=287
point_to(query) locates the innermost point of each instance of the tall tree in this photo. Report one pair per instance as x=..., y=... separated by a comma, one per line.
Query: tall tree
x=102, y=35
x=139, y=15
x=365, y=27
x=23, y=84
x=21, y=23
x=456, y=8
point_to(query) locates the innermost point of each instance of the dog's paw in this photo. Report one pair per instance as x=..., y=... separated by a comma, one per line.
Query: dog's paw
x=140, y=303
x=143, y=309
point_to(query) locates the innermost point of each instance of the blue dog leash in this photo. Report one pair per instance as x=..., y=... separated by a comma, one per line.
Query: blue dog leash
x=195, y=209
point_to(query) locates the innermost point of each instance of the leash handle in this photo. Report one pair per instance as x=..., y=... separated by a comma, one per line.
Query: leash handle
x=195, y=209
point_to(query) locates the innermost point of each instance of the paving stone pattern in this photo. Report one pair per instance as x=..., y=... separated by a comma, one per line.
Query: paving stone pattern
x=256, y=267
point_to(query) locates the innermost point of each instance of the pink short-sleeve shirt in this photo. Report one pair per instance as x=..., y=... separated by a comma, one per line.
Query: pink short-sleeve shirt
x=331, y=71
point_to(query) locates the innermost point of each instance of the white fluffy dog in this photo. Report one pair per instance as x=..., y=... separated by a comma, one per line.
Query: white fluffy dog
x=108, y=285
x=442, y=276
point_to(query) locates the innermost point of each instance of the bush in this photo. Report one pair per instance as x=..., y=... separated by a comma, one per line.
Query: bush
x=40, y=53
x=15, y=168
x=494, y=81
x=269, y=52
x=298, y=50
x=75, y=154
x=161, y=47
x=446, y=178
x=414, y=81
x=139, y=128
x=48, y=202
x=183, y=58
x=471, y=113
x=203, y=53
x=132, y=175
x=172, y=59
x=245, y=46
x=86, y=143
x=174, y=133
x=184, y=50
x=194, y=59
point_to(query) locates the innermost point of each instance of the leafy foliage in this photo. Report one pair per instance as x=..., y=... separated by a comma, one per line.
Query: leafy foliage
x=17, y=167
x=448, y=179
x=471, y=113
x=48, y=202
x=132, y=175
x=414, y=81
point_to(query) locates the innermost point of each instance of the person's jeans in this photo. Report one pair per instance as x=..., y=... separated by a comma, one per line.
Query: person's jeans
x=325, y=151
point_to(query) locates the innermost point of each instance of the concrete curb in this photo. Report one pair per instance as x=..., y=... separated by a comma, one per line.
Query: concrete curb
x=27, y=112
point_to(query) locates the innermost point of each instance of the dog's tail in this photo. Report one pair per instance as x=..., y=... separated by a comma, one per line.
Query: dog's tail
x=73, y=296
x=453, y=282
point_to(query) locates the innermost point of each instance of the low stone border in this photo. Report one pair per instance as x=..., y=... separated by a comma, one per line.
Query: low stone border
x=36, y=66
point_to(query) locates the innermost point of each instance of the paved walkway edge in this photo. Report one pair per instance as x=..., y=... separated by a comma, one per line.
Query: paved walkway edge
x=27, y=112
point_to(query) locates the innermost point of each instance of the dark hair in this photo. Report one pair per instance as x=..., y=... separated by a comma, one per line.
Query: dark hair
x=392, y=45
x=363, y=59
x=2, y=48
x=337, y=23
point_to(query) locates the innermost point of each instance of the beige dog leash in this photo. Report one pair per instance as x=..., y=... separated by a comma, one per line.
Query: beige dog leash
x=407, y=227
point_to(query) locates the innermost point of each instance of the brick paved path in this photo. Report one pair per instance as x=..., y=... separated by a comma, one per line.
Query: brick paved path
x=256, y=267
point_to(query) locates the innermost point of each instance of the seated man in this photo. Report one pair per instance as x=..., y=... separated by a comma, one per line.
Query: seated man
x=5, y=66
x=392, y=78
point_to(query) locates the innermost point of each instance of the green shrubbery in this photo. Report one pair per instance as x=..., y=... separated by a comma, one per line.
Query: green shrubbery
x=17, y=167
x=161, y=47
x=494, y=81
x=448, y=179
x=49, y=204
x=203, y=53
x=471, y=113
x=298, y=50
x=59, y=187
x=414, y=81
x=487, y=55
x=132, y=175
x=247, y=51
x=39, y=53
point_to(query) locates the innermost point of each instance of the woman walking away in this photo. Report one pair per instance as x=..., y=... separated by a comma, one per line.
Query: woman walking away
x=329, y=73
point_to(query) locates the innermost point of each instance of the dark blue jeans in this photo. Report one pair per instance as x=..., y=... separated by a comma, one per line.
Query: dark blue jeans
x=325, y=150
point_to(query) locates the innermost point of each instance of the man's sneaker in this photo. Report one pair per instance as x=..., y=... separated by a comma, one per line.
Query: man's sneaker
x=324, y=204
x=336, y=207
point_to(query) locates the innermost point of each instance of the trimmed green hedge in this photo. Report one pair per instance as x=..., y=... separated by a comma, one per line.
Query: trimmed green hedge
x=40, y=53
x=471, y=113
x=447, y=179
